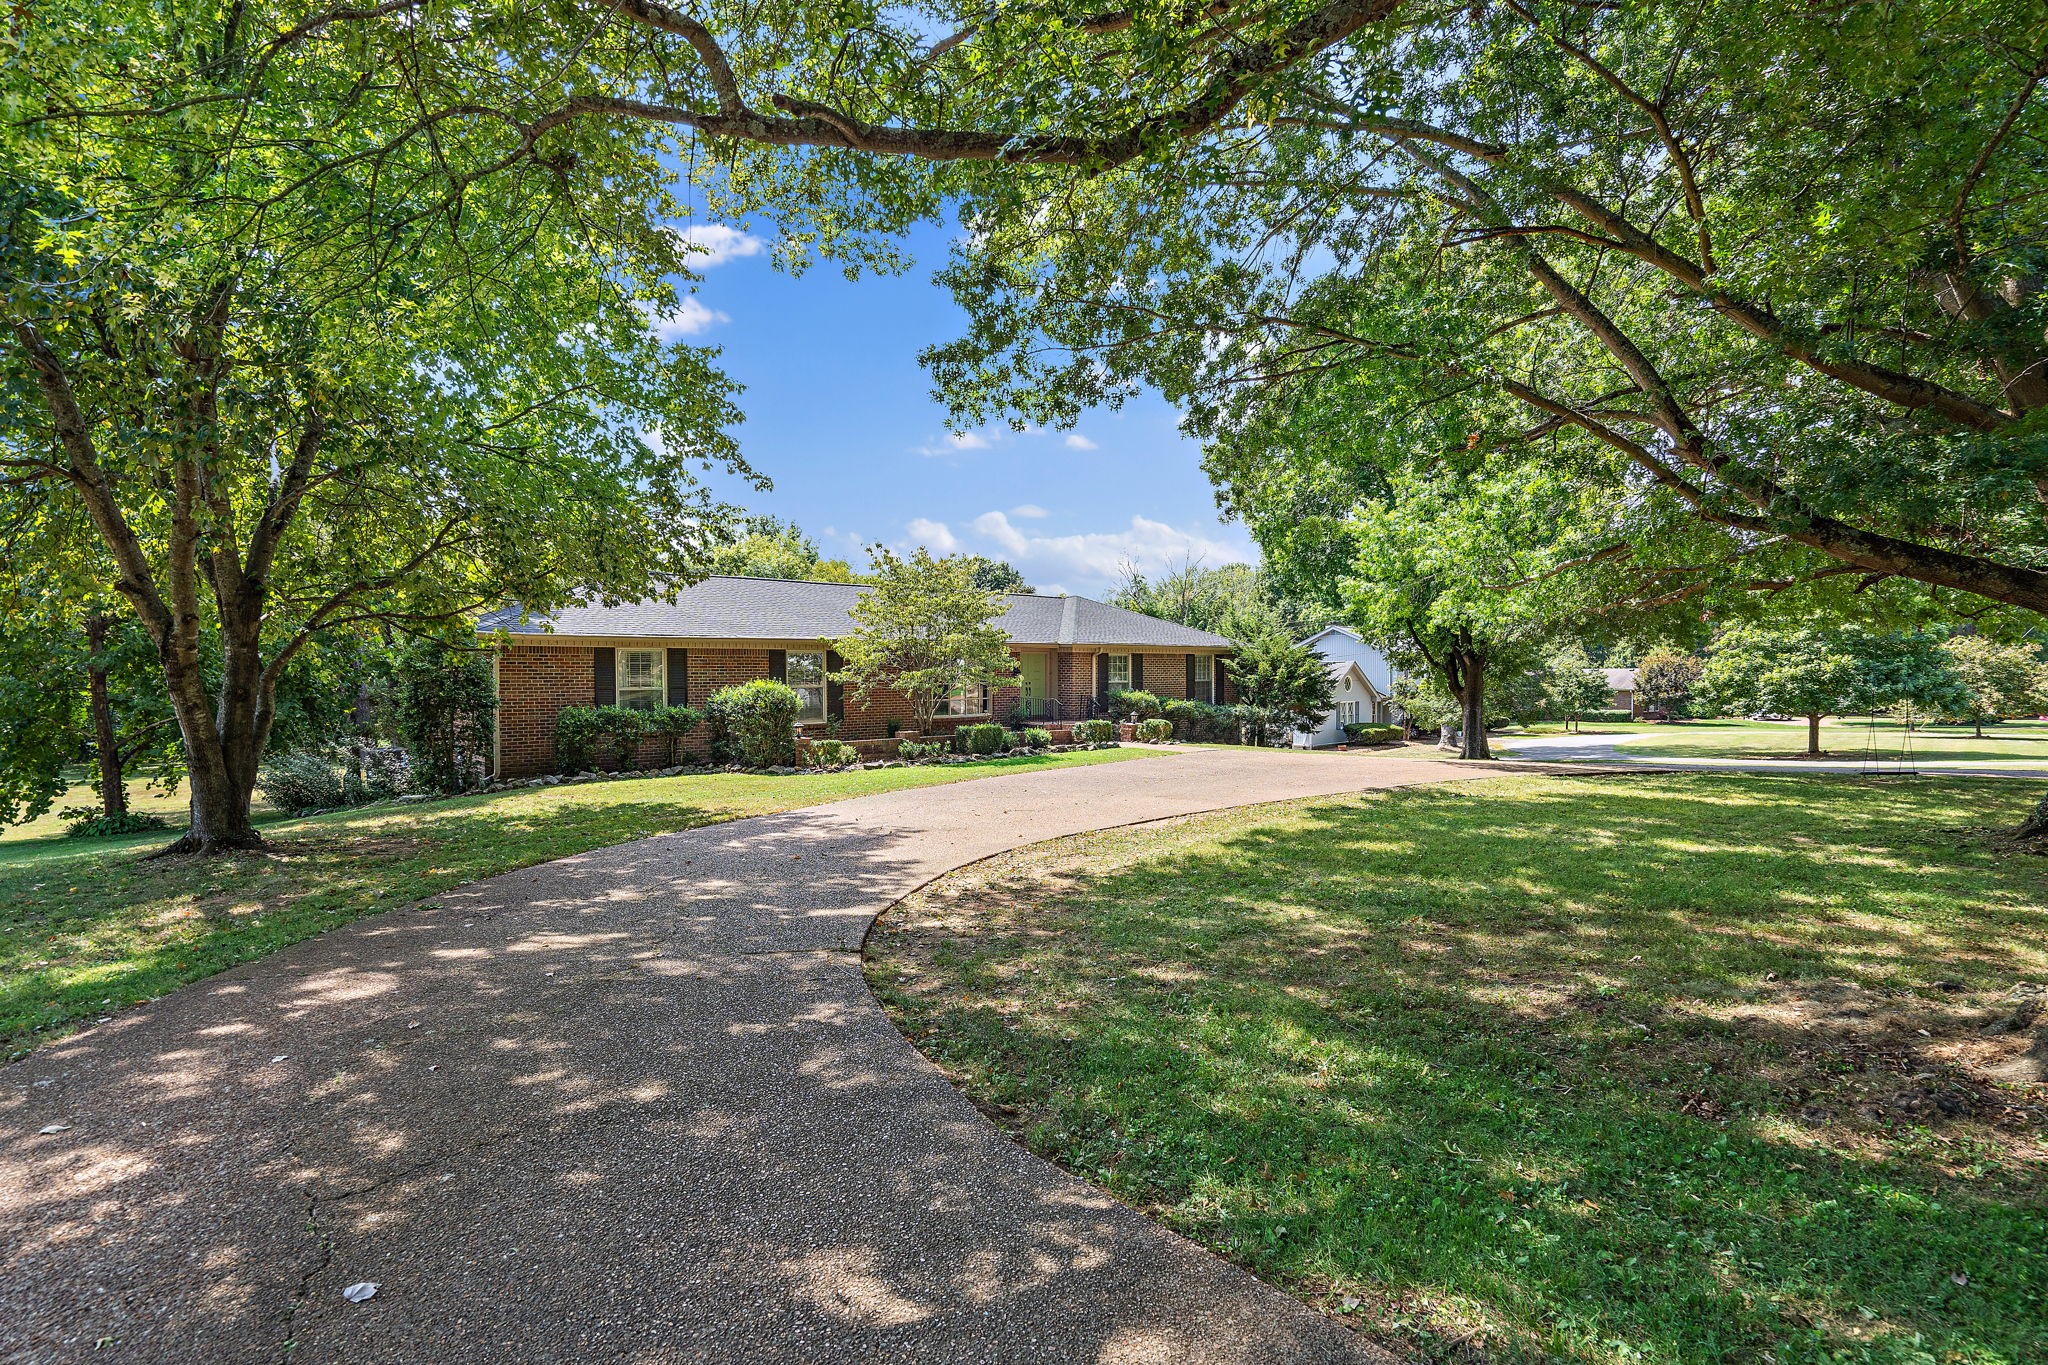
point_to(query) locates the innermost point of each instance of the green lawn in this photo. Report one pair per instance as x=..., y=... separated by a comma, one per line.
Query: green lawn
x=143, y=798
x=88, y=926
x=1842, y=738
x=1648, y=1068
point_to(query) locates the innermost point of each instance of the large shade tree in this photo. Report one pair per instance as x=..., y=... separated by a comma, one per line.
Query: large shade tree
x=1824, y=670
x=1997, y=679
x=1806, y=311
x=317, y=329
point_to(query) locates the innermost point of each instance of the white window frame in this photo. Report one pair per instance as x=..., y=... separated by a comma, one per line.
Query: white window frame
x=811, y=696
x=1347, y=713
x=1205, y=677
x=1114, y=685
x=642, y=696
x=971, y=700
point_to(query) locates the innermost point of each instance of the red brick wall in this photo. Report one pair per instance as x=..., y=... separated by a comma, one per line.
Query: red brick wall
x=1166, y=676
x=1077, y=682
x=535, y=681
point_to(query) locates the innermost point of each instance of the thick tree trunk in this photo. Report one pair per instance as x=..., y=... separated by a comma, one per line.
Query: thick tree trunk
x=1447, y=737
x=220, y=815
x=223, y=743
x=1813, y=736
x=1472, y=705
x=1463, y=669
x=113, y=782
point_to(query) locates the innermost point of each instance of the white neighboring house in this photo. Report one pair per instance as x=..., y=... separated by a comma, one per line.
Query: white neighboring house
x=1361, y=682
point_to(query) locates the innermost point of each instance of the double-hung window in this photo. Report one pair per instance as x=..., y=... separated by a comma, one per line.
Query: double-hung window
x=804, y=671
x=971, y=700
x=1119, y=672
x=1205, y=678
x=642, y=678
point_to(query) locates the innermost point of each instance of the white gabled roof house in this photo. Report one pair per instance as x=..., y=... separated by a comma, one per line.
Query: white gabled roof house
x=1361, y=681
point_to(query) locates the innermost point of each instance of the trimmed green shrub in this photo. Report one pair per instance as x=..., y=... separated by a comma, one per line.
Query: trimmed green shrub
x=1201, y=722
x=1364, y=733
x=577, y=731
x=753, y=724
x=86, y=822
x=1032, y=737
x=672, y=723
x=305, y=780
x=828, y=753
x=584, y=733
x=1134, y=705
x=982, y=739
x=1607, y=717
x=1155, y=731
x=910, y=751
x=1098, y=731
x=623, y=726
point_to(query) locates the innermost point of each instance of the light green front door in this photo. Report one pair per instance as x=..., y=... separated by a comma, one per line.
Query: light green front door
x=1032, y=685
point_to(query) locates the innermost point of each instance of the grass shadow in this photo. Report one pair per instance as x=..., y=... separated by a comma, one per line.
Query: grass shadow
x=1663, y=1068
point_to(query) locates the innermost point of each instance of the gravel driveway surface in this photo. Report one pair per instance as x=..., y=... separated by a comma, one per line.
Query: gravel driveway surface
x=634, y=1106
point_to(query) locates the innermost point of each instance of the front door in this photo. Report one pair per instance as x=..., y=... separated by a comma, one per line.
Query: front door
x=1031, y=685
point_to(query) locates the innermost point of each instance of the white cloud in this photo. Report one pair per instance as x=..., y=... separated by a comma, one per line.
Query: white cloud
x=690, y=318
x=1076, y=441
x=933, y=535
x=1030, y=511
x=956, y=441
x=715, y=244
x=1100, y=555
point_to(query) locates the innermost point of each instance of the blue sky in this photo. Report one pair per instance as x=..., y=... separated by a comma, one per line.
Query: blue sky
x=840, y=415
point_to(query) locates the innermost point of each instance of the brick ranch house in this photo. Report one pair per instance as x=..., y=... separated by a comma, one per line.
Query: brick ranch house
x=1072, y=652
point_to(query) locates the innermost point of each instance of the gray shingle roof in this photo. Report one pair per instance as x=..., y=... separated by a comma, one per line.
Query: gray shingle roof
x=782, y=609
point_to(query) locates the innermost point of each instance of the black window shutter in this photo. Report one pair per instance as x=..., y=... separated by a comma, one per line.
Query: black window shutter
x=778, y=665
x=679, y=677
x=1189, y=690
x=604, y=675
x=1137, y=673
x=1216, y=679
x=835, y=691
x=1102, y=677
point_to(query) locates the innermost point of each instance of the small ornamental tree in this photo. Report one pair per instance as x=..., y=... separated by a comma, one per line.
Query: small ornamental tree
x=1572, y=686
x=1284, y=685
x=925, y=630
x=1665, y=680
x=1996, y=680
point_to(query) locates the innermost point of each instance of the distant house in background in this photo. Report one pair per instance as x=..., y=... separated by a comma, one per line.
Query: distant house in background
x=1622, y=683
x=1072, y=652
x=1361, y=682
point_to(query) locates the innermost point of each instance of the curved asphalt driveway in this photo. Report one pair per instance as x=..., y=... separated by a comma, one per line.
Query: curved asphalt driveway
x=632, y=1106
